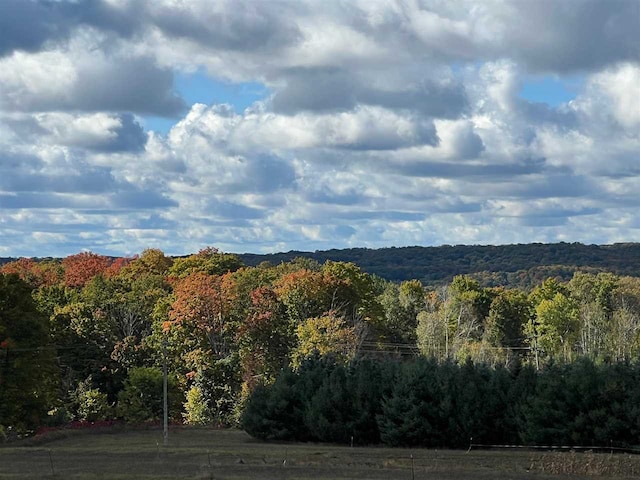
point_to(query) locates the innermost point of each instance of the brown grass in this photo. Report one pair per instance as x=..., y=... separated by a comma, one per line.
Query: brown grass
x=588, y=464
x=201, y=453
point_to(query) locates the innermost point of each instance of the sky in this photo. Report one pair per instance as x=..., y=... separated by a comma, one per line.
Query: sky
x=265, y=126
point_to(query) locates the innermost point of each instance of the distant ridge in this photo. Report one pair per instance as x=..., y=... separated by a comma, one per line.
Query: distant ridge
x=519, y=265
x=512, y=265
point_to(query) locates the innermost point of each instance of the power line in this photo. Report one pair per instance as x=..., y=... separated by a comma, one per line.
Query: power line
x=48, y=347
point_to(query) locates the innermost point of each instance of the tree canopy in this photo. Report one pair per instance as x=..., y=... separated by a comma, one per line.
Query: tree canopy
x=344, y=352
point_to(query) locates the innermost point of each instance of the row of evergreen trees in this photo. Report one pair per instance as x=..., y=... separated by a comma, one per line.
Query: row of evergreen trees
x=430, y=404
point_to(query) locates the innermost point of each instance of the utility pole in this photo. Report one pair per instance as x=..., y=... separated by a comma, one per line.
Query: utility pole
x=165, y=432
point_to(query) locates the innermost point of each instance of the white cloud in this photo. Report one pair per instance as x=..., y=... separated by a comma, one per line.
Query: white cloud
x=84, y=76
x=615, y=91
x=387, y=123
x=35, y=79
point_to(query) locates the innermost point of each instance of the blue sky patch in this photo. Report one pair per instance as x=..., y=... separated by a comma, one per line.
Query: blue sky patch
x=551, y=90
x=198, y=87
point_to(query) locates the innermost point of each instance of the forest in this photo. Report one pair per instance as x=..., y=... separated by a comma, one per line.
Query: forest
x=302, y=350
x=522, y=265
x=519, y=266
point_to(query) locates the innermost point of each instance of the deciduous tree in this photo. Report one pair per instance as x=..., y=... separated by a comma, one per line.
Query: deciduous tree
x=325, y=335
x=82, y=267
x=210, y=261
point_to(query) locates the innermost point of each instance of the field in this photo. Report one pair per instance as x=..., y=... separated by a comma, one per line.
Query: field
x=229, y=454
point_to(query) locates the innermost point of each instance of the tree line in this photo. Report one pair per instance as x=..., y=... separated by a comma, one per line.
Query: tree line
x=523, y=265
x=85, y=337
x=425, y=403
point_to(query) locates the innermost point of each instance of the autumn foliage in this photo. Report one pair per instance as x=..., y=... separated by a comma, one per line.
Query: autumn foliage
x=230, y=332
x=82, y=267
x=36, y=274
x=203, y=301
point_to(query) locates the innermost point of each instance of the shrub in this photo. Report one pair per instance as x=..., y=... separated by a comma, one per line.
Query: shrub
x=196, y=410
x=141, y=399
x=91, y=404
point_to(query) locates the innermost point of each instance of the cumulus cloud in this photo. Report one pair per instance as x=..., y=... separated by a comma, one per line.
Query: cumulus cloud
x=27, y=25
x=100, y=132
x=557, y=36
x=385, y=123
x=31, y=25
x=326, y=90
x=227, y=25
x=76, y=79
x=615, y=92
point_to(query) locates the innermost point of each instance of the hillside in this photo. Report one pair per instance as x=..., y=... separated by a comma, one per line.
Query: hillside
x=516, y=265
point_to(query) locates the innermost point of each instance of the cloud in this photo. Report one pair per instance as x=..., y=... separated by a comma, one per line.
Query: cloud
x=99, y=132
x=139, y=199
x=78, y=80
x=228, y=25
x=328, y=90
x=367, y=128
x=617, y=92
x=336, y=198
x=386, y=123
x=230, y=210
x=134, y=85
x=27, y=25
x=552, y=36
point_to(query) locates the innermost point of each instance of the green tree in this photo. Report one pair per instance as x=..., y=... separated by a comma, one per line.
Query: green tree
x=411, y=412
x=328, y=413
x=353, y=292
x=86, y=341
x=265, y=338
x=623, y=335
x=151, y=261
x=304, y=293
x=509, y=313
x=141, y=399
x=594, y=295
x=555, y=328
x=196, y=410
x=91, y=404
x=276, y=412
x=547, y=290
x=28, y=375
x=458, y=311
x=580, y=403
x=402, y=305
x=219, y=381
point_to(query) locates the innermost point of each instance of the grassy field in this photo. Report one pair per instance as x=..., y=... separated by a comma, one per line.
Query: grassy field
x=229, y=454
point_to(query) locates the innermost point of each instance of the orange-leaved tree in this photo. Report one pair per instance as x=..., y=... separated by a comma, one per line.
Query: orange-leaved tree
x=82, y=267
x=203, y=301
x=36, y=273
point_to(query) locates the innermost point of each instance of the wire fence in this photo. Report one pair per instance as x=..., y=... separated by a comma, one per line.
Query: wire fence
x=557, y=448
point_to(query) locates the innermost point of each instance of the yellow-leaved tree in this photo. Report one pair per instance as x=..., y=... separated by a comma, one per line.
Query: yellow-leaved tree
x=326, y=335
